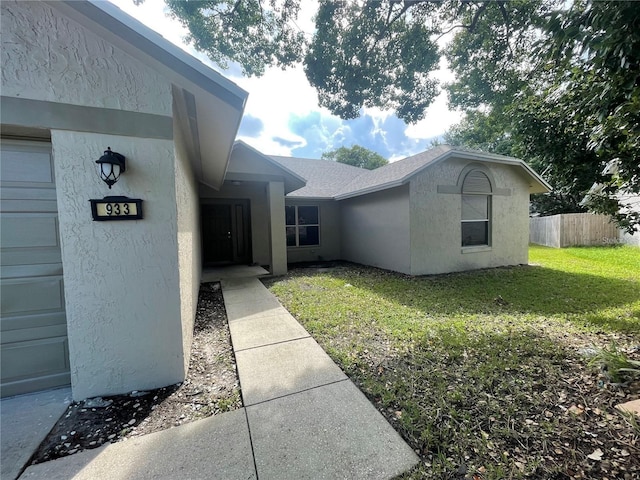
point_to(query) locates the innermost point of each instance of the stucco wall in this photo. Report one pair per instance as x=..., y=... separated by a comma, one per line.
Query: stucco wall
x=436, y=221
x=130, y=286
x=256, y=193
x=277, y=236
x=122, y=288
x=329, y=248
x=189, y=245
x=375, y=229
x=46, y=56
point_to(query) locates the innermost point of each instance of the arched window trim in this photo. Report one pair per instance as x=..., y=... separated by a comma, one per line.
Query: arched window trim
x=481, y=168
x=476, y=190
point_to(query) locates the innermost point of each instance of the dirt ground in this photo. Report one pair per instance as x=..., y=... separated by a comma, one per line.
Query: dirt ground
x=211, y=387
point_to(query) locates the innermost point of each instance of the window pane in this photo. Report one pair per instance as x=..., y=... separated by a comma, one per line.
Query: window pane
x=309, y=235
x=307, y=215
x=291, y=236
x=290, y=215
x=475, y=233
x=475, y=207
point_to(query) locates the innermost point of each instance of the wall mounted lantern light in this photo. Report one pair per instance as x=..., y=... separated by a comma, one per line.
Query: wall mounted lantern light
x=110, y=166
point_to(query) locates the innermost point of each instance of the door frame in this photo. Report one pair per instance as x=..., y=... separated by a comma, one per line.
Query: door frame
x=240, y=230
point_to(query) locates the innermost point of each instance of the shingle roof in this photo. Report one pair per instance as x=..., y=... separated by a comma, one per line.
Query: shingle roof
x=329, y=179
x=325, y=178
x=394, y=172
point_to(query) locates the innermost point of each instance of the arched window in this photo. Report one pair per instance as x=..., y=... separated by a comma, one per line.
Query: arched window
x=476, y=209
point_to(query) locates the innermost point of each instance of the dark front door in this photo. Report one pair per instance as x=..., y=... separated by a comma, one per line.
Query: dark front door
x=225, y=234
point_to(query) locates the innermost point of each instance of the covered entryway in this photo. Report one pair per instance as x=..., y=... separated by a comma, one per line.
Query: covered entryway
x=226, y=237
x=243, y=222
x=33, y=326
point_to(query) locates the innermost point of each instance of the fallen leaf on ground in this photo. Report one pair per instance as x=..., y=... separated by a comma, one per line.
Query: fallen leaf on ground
x=596, y=455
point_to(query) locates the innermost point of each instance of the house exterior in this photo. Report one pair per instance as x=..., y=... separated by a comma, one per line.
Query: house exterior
x=443, y=210
x=108, y=306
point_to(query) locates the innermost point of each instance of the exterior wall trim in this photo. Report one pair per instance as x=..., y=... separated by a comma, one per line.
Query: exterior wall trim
x=457, y=189
x=62, y=116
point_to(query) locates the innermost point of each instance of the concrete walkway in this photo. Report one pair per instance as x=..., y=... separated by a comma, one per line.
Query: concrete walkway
x=302, y=417
x=26, y=422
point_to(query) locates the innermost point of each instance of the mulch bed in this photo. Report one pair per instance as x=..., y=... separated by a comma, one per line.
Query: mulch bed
x=211, y=387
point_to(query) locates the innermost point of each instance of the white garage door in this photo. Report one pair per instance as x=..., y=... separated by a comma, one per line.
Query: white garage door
x=33, y=327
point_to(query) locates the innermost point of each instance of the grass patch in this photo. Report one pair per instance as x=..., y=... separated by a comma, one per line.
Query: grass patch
x=481, y=372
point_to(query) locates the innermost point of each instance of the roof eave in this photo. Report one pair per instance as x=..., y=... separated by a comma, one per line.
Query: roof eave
x=539, y=184
x=312, y=198
x=293, y=181
x=372, y=189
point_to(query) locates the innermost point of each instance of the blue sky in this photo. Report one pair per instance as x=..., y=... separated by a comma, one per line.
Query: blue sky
x=319, y=133
x=282, y=116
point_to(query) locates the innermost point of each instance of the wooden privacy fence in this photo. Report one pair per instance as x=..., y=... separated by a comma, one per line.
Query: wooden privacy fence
x=571, y=229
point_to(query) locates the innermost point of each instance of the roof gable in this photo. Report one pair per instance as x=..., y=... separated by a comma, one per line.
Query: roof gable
x=247, y=162
x=329, y=179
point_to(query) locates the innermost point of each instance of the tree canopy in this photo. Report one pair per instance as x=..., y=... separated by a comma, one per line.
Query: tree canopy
x=356, y=156
x=555, y=83
x=565, y=98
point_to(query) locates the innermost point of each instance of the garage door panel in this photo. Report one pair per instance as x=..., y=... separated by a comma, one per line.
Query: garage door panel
x=9, y=323
x=29, y=205
x=34, y=384
x=34, y=351
x=26, y=163
x=29, y=230
x=30, y=193
x=23, y=271
x=35, y=358
x=32, y=295
x=29, y=334
x=27, y=256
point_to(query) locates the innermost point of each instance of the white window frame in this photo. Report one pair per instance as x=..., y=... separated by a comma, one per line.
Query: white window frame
x=297, y=225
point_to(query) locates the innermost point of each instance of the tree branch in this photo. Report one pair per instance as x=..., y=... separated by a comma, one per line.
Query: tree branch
x=476, y=17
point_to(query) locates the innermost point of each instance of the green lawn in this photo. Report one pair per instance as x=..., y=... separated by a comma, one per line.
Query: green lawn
x=484, y=373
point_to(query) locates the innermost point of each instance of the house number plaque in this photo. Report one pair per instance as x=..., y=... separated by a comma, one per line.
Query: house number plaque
x=116, y=208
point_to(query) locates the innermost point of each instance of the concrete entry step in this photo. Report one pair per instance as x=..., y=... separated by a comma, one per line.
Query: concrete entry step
x=217, y=274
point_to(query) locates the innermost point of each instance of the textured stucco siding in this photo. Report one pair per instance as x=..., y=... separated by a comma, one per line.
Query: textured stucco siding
x=277, y=236
x=47, y=56
x=329, y=248
x=256, y=193
x=375, y=229
x=122, y=284
x=436, y=221
x=189, y=244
